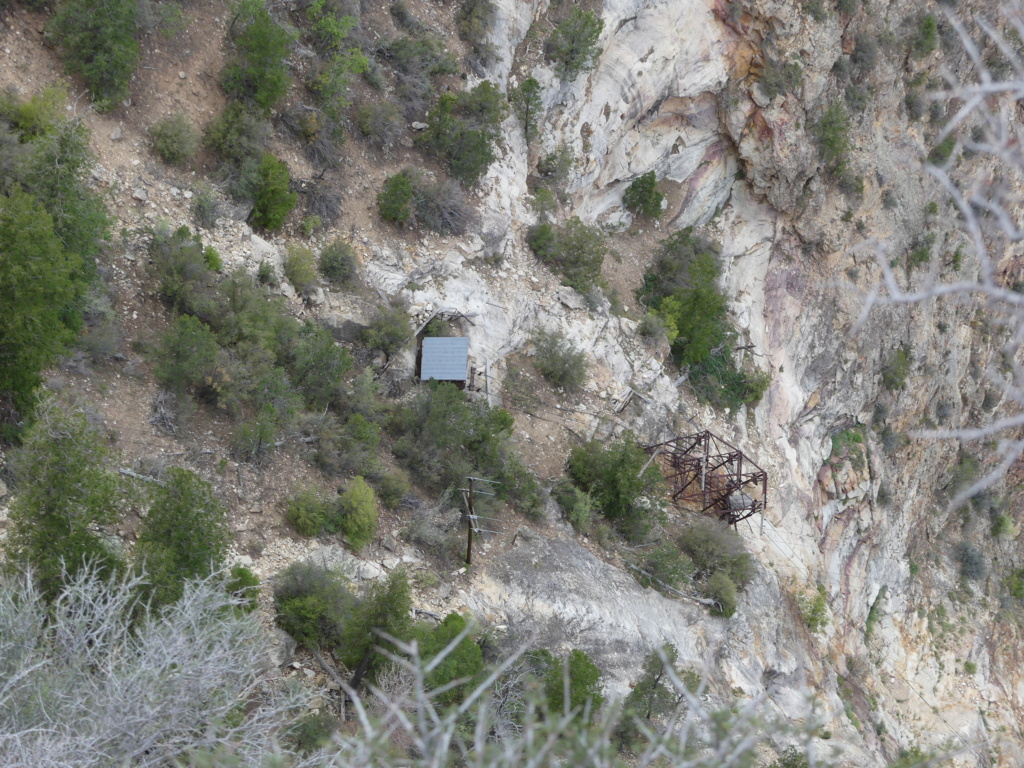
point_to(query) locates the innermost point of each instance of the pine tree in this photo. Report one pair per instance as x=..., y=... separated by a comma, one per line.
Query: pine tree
x=41, y=286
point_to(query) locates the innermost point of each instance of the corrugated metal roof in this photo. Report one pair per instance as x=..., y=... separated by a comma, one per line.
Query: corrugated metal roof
x=445, y=358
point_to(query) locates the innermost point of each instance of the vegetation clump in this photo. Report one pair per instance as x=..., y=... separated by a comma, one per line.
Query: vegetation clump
x=572, y=45
x=273, y=199
x=463, y=129
x=41, y=287
x=97, y=41
x=258, y=72
x=338, y=263
x=441, y=437
x=621, y=483
x=575, y=250
x=642, y=196
x=174, y=139
x=896, y=369
x=832, y=131
x=183, y=537
x=926, y=38
x=558, y=361
x=528, y=107
x=681, y=288
x=357, y=513
x=66, y=502
x=781, y=78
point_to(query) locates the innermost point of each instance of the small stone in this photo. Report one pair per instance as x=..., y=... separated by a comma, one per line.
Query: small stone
x=416, y=126
x=3, y=489
x=181, y=75
x=129, y=257
x=140, y=194
x=188, y=195
x=115, y=135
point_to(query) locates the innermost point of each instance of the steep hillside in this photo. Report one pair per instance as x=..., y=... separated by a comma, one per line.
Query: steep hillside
x=791, y=136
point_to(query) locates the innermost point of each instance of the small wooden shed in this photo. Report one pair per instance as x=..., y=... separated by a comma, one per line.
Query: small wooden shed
x=445, y=358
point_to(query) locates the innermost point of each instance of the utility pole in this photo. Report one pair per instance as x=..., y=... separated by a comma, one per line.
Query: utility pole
x=472, y=516
x=469, y=525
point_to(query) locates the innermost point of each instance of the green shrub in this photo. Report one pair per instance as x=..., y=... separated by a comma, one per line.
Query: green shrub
x=681, y=288
x=385, y=611
x=654, y=695
x=66, y=499
x=56, y=170
x=574, y=685
x=317, y=365
x=926, y=38
x=664, y=566
x=357, y=513
x=307, y=512
x=528, y=106
x=816, y=9
x=558, y=360
x=576, y=504
x=380, y=122
x=394, y=201
x=942, y=151
x=715, y=548
x=722, y=590
x=273, y=200
x=181, y=268
x=41, y=289
x=205, y=207
x=814, y=610
x=781, y=78
x=258, y=71
x=832, y=131
x=338, y=263
x=312, y=732
x=642, y=196
x=440, y=437
x=186, y=355
x=312, y=604
x=463, y=130
x=299, y=267
x=237, y=134
x=474, y=20
x=97, y=42
x=392, y=487
x=921, y=254
x=465, y=661
x=174, y=139
x=184, y=536
x=1002, y=526
x=1014, y=583
x=875, y=612
x=245, y=584
x=572, y=45
x=310, y=224
x=612, y=476
x=575, y=250
x=212, y=259
x=388, y=331
x=896, y=369
x=971, y=560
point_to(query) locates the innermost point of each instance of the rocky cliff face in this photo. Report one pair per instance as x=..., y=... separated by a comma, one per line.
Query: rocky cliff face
x=675, y=91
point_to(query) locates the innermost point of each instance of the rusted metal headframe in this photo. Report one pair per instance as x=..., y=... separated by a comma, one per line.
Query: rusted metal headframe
x=706, y=471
